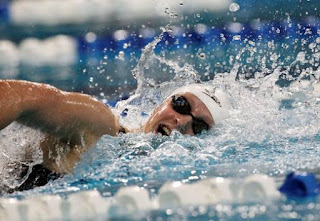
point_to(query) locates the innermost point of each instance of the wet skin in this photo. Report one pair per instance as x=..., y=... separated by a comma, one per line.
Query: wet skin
x=74, y=122
x=167, y=118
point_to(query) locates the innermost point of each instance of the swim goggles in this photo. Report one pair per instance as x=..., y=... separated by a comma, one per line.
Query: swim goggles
x=181, y=105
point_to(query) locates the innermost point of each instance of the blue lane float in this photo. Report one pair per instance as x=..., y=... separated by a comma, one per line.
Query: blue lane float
x=300, y=184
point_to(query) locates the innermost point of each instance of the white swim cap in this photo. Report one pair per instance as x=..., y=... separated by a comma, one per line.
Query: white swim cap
x=214, y=98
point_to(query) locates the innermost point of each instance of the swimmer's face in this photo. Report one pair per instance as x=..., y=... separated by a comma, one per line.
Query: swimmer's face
x=165, y=118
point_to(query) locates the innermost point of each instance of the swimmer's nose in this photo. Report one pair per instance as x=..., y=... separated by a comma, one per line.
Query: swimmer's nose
x=184, y=124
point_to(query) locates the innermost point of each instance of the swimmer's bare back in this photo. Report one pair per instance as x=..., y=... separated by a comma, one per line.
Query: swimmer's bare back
x=72, y=122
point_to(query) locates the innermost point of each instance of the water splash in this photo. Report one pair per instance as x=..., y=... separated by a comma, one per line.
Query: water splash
x=272, y=129
x=20, y=150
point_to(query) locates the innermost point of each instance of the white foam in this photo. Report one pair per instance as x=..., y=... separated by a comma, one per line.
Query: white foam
x=20, y=148
x=316, y=89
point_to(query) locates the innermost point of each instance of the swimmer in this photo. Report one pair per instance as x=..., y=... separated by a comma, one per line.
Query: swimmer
x=74, y=122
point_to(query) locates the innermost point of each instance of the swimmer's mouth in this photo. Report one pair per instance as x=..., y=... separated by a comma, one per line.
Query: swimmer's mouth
x=163, y=130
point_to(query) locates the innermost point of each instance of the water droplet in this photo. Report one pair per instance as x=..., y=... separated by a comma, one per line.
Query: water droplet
x=91, y=37
x=274, y=57
x=202, y=55
x=234, y=7
x=252, y=43
x=120, y=35
x=312, y=45
x=121, y=55
x=237, y=38
x=174, y=15
x=301, y=56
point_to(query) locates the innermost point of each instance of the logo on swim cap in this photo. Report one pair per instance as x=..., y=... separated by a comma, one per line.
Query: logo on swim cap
x=211, y=94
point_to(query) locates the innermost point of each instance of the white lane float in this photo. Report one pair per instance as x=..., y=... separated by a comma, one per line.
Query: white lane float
x=177, y=194
x=129, y=200
x=9, y=209
x=41, y=207
x=204, y=192
x=258, y=188
x=134, y=200
x=59, y=50
x=9, y=54
x=53, y=12
x=85, y=205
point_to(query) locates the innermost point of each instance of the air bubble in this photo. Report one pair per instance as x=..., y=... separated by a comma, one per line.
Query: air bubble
x=121, y=55
x=274, y=57
x=312, y=45
x=301, y=56
x=234, y=7
x=202, y=55
x=91, y=37
x=236, y=38
x=125, y=46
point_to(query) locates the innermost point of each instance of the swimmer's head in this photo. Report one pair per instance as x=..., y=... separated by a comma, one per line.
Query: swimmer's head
x=190, y=110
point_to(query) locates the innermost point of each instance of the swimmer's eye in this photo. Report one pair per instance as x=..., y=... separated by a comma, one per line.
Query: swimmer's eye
x=181, y=105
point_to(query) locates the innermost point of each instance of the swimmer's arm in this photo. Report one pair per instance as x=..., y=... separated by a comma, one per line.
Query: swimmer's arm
x=74, y=117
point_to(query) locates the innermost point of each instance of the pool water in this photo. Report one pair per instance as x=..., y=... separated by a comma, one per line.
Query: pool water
x=271, y=75
x=271, y=130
